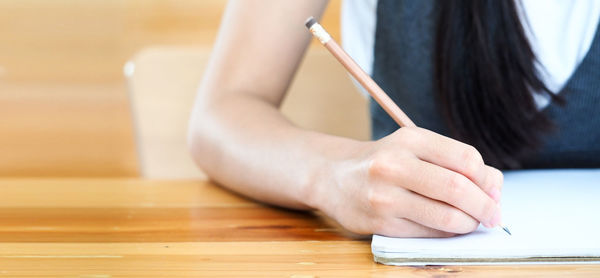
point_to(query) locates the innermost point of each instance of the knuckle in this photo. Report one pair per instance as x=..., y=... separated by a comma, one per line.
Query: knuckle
x=408, y=131
x=455, y=221
x=498, y=178
x=472, y=159
x=408, y=135
x=455, y=187
x=468, y=227
x=450, y=220
x=372, y=197
x=388, y=165
x=377, y=201
x=379, y=166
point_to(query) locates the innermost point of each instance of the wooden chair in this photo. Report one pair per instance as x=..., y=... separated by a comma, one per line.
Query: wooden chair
x=163, y=82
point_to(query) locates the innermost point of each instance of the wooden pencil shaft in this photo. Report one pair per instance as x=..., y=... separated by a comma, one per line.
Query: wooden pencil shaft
x=369, y=84
x=359, y=74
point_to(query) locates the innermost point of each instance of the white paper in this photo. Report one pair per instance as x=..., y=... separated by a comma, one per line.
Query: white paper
x=551, y=214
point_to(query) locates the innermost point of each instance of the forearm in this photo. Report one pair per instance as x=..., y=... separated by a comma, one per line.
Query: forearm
x=245, y=144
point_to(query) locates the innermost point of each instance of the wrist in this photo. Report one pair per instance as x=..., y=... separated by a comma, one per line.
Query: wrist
x=334, y=162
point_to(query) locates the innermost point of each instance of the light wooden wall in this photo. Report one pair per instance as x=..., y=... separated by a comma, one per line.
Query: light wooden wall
x=64, y=109
x=83, y=41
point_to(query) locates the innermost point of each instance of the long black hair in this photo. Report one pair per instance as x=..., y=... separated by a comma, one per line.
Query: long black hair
x=485, y=74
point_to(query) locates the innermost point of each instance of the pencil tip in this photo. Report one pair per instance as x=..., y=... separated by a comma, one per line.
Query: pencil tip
x=506, y=230
x=310, y=22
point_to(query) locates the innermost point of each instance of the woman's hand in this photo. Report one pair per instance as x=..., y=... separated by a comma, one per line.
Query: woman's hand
x=412, y=183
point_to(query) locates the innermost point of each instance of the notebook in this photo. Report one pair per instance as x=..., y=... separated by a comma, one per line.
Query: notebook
x=553, y=215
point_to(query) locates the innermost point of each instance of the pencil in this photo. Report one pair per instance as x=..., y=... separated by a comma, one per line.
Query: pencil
x=363, y=78
x=359, y=74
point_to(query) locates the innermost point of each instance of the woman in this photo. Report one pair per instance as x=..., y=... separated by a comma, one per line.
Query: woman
x=516, y=84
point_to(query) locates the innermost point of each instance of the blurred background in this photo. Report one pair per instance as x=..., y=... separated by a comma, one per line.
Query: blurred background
x=86, y=87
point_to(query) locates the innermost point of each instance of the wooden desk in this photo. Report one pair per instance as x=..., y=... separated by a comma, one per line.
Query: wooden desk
x=141, y=228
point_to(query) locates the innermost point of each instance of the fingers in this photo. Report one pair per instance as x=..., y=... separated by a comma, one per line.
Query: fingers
x=392, y=201
x=453, y=155
x=401, y=227
x=454, y=189
x=441, y=184
x=493, y=183
x=438, y=215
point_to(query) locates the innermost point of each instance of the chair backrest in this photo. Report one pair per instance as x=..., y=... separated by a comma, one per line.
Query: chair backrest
x=163, y=83
x=65, y=130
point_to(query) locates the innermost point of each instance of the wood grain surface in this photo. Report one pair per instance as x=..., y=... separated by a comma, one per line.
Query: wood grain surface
x=147, y=228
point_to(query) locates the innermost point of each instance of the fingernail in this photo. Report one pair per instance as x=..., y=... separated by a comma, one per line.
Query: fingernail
x=495, y=194
x=497, y=219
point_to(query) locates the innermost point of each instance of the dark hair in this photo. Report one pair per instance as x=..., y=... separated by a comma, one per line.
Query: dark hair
x=485, y=74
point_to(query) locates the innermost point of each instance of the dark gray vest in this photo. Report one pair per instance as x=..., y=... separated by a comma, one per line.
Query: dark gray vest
x=403, y=67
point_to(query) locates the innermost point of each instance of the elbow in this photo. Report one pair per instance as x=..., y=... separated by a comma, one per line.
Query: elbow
x=203, y=139
x=193, y=144
x=197, y=141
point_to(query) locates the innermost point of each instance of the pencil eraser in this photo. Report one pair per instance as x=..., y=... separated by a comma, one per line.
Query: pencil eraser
x=310, y=22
